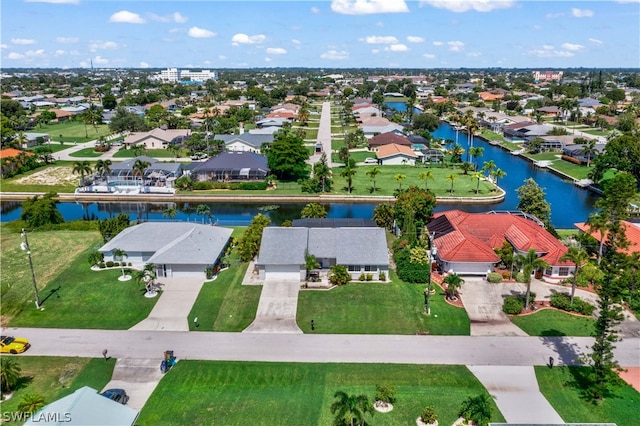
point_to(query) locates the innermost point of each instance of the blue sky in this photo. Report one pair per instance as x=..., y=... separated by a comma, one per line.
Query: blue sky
x=329, y=34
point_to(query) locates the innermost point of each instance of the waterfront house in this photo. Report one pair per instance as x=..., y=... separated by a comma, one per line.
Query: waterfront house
x=394, y=154
x=236, y=166
x=156, y=174
x=631, y=230
x=250, y=142
x=387, y=138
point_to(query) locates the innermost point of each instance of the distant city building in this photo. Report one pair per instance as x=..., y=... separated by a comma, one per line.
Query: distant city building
x=173, y=75
x=547, y=75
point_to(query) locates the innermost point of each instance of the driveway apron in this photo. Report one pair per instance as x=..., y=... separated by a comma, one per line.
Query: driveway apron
x=277, y=308
x=138, y=377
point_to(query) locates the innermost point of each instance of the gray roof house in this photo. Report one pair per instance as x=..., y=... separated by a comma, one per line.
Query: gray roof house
x=178, y=249
x=232, y=166
x=245, y=142
x=84, y=407
x=363, y=250
x=156, y=174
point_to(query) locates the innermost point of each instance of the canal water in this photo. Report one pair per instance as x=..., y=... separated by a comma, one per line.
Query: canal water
x=569, y=203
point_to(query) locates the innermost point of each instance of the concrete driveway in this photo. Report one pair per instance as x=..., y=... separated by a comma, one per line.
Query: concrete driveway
x=138, y=377
x=277, y=308
x=171, y=311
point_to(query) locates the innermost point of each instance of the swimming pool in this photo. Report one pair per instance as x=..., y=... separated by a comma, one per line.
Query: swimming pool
x=418, y=146
x=124, y=183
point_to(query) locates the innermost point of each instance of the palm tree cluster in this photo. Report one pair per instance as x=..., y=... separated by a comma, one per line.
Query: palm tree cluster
x=351, y=409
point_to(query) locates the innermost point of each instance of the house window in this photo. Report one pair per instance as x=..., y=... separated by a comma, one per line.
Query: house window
x=353, y=268
x=563, y=271
x=548, y=271
x=370, y=268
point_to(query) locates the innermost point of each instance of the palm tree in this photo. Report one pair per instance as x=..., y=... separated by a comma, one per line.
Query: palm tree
x=472, y=127
x=453, y=281
x=171, y=213
x=475, y=152
x=139, y=167
x=82, y=168
x=597, y=222
x=579, y=257
x=529, y=262
x=456, y=153
x=498, y=173
x=466, y=168
x=452, y=178
x=313, y=210
x=103, y=167
x=348, y=173
x=9, y=374
x=489, y=166
x=31, y=402
x=425, y=176
x=588, y=149
x=351, y=409
x=203, y=210
x=120, y=255
x=477, y=176
x=372, y=175
x=399, y=178
x=303, y=116
x=476, y=409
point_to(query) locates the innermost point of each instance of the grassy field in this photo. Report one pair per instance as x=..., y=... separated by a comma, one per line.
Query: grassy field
x=574, y=170
x=386, y=184
x=378, y=308
x=295, y=393
x=86, y=152
x=74, y=131
x=358, y=156
x=562, y=386
x=153, y=153
x=72, y=295
x=550, y=322
x=57, y=377
x=29, y=181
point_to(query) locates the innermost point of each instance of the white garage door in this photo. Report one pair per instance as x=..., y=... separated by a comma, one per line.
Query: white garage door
x=187, y=271
x=282, y=272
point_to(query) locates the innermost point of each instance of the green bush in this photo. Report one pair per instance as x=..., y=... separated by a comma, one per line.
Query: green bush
x=519, y=277
x=562, y=301
x=95, y=258
x=383, y=277
x=429, y=415
x=410, y=272
x=361, y=277
x=386, y=393
x=369, y=277
x=513, y=305
x=252, y=186
x=506, y=275
x=109, y=264
x=200, y=186
x=494, y=277
x=101, y=265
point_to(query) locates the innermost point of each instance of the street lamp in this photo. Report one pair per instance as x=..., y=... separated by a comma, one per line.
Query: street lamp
x=431, y=255
x=25, y=247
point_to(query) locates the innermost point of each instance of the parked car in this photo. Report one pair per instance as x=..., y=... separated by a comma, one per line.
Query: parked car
x=117, y=395
x=370, y=160
x=13, y=345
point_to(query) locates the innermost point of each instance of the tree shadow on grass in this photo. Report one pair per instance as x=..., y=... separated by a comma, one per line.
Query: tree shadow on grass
x=552, y=332
x=53, y=292
x=583, y=382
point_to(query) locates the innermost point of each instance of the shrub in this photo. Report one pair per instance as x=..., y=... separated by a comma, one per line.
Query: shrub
x=562, y=301
x=253, y=186
x=361, y=277
x=202, y=185
x=519, y=277
x=428, y=415
x=209, y=272
x=513, y=305
x=399, y=244
x=386, y=393
x=383, y=277
x=369, y=277
x=494, y=277
x=109, y=264
x=95, y=257
x=129, y=264
x=101, y=265
x=506, y=275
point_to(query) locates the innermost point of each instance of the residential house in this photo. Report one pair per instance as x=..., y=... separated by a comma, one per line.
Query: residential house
x=394, y=154
x=245, y=142
x=35, y=139
x=161, y=174
x=465, y=242
x=377, y=125
x=9, y=158
x=631, y=230
x=85, y=407
x=387, y=138
x=237, y=166
x=157, y=138
x=177, y=249
x=526, y=131
x=362, y=250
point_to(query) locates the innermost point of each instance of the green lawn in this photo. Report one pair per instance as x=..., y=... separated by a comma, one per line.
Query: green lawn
x=153, y=153
x=379, y=308
x=549, y=322
x=55, y=147
x=562, y=388
x=74, y=131
x=86, y=152
x=358, y=156
x=72, y=295
x=574, y=170
x=57, y=377
x=13, y=185
x=296, y=393
x=386, y=184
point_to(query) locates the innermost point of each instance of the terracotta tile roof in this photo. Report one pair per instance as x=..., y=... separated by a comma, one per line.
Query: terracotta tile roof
x=486, y=96
x=12, y=152
x=395, y=149
x=469, y=237
x=632, y=232
x=387, y=138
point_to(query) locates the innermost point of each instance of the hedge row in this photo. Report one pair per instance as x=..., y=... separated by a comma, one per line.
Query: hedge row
x=244, y=186
x=563, y=301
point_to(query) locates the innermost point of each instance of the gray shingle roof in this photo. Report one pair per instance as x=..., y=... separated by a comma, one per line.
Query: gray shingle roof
x=251, y=139
x=234, y=160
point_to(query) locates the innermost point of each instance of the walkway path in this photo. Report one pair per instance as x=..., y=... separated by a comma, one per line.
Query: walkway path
x=516, y=393
x=277, y=308
x=324, y=134
x=171, y=311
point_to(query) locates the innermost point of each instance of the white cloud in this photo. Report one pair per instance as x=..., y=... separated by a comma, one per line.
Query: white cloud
x=474, y=54
x=536, y=27
x=455, y=46
x=429, y=56
x=438, y=43
x=554, y=15
x=380, y=40
x=179, y=18
x=196, y=32
x=459, y=6
x=174, y=17
x=99, y=60
x=548, y=47
x=222, y=57
x=375, y=51
x=143, y=64
x=4, y=46
x=35, y=53
x=582, y=13
x=74, y=52
x=379, y=24
x=15, y=55
x=276, y=51
x=242, y=38
x=267, y=59
x=335, y=55
x=396, y=48
x=67, y=40
x=571, y=46
x=595, y=41
x=315, y=10
x=22, y=41
x=126, y=17
x=549, y=53
x=415, y=39
x=296, y=42
x=97, y=45
x=60, y=52
x=54, y=1
x=368, y=7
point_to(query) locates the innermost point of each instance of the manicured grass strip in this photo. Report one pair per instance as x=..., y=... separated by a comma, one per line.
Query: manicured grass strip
x=549, y=322
x=228, y=393
x=86, y=152
x=74, y=131
x=358, y=156
x=378, y=308
x=153, y=153
x=78, y=297
x=56, y=377
x=562, y=386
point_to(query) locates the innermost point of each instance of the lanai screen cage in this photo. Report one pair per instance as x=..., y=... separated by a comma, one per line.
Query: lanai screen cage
x=233, y=174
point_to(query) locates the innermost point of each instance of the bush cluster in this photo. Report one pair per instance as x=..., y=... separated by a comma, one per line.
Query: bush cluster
x=244, y=186
x=494, y=277
x=109, y=264
x=407, y=271
x=506, y=275
x=428, y=415
x=562, y=301
x=512, y=305
x=383, y=276
x=365, y=277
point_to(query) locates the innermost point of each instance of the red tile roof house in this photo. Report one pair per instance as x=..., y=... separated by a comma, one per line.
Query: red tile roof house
x=386, y=139
x=631, y=231
x=465, y=242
